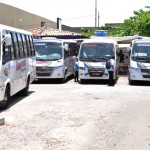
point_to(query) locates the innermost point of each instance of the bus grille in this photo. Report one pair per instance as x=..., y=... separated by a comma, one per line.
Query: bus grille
x=96, y=69
x=96, y=72
x=44, y=71
x=145, y=73
x=146, y=76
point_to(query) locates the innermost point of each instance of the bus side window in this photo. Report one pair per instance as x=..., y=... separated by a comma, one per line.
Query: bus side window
x=73, y=49
x=21, y=50
x=69, y=50
x=15, y=46
x=32, y=46
x=24, y=45
x=28, y=45
x=6, y=53
x=66, y=48
x=66, y=53
x=11, y=47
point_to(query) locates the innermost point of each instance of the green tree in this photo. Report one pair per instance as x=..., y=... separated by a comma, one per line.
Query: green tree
x=139, y=23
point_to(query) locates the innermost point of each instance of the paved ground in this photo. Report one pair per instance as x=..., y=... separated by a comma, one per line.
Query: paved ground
x=72, y=116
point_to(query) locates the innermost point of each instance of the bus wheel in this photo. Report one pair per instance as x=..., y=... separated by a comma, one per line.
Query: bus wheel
x=25, y=91
x=81, y=81
x=63, y=80
x=4, y=104
x=131, y=82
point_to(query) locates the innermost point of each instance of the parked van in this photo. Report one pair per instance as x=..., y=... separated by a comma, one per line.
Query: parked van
x=139, y=66
x=93, y=54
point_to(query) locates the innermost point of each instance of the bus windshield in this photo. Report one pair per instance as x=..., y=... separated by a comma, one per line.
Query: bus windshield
x=141, y=52
x=96, y=51
x=48, y=51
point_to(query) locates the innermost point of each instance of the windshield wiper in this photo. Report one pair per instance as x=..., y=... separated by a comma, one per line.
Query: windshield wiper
x=141, y=58
x=88, y=58
x=55, y=59
x=39, y=58
x=101, y=58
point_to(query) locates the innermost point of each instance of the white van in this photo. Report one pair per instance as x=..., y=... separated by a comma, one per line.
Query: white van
x=17, y=63
x=139, y=66
x=93, y=54
x=55, y=58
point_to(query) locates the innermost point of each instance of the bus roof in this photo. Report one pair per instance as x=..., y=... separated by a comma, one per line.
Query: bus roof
x=55, y=40
x=141, y=40
x=47, y=40
x=69, y=40
x=4, y=27
x=100, y=40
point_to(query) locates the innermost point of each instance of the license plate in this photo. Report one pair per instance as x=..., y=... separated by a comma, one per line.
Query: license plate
x=95, y=74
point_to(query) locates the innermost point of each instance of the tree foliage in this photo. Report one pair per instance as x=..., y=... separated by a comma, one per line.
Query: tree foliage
x=139, y=23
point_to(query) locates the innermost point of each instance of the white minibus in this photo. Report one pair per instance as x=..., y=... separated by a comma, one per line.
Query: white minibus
x=93, y=54
x=139, y=66
x=17, y=63
x=55, y=58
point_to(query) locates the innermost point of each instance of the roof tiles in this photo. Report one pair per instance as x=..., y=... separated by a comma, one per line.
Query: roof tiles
x=47, y=31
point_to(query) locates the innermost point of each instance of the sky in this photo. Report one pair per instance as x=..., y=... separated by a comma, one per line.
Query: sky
x=81, y=13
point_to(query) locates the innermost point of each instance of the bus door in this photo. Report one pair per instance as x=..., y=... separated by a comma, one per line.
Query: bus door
x=70, y=58
x=123, y=58
x=66, y=59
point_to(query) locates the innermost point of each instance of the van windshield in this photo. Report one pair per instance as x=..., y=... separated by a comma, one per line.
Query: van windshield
x=48, y=51
x=141, y=52
x=96, y=51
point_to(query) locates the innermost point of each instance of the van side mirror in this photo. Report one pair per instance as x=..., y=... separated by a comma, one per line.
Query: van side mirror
x=66, y=47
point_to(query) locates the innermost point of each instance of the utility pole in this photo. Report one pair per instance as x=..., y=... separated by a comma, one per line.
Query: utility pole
x=95, y=13
x=98, y=19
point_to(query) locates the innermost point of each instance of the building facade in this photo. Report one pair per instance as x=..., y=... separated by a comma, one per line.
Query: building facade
x=37, y=25
x=18, y=18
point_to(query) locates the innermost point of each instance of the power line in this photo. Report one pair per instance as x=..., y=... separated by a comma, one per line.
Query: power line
x=77, y=17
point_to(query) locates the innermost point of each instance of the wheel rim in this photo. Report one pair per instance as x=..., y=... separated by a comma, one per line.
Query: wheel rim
x=5, y=99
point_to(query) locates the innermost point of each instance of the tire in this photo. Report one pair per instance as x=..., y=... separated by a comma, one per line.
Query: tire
x=81, y=81
x=63, y=80
x=25, y=91
x=115, y=81
x=131, y=82
x=4, y=104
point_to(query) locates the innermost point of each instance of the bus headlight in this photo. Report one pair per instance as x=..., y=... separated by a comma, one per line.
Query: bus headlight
x=58, y=67
x=135, y=69
x=82, y=68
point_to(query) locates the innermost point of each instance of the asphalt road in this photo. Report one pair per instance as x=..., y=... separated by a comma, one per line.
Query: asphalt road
x=72, y=116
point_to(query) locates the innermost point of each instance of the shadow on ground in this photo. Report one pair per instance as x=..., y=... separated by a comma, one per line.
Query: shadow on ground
x=16, y=99
x=52, y=81
x=141, y=83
